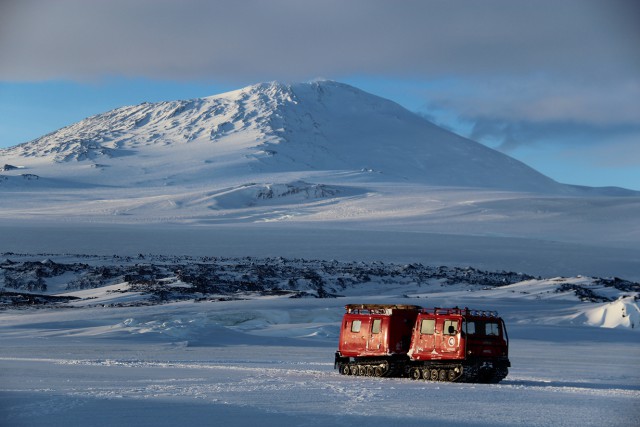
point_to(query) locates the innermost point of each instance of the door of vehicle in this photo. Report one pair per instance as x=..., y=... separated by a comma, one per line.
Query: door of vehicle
x=450, y=343
x=375, y=342
x=355, y=333
x=424, y=338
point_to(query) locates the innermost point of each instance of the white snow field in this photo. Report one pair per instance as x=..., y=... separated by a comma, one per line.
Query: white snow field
x=315, y=171
x=269, y=360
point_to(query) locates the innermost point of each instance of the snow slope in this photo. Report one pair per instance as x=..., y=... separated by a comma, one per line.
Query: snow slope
x=311, y=156
x=108, y=358
x=273, y=127
x=269, y=128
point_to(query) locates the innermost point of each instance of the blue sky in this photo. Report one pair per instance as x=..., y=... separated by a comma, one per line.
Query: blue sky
x=553, y=84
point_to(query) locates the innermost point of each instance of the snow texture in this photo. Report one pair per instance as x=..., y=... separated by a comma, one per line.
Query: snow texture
x=188, y=263
x=249, y=349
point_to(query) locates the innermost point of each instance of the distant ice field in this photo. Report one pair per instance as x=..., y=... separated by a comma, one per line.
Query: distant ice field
x=537, y=257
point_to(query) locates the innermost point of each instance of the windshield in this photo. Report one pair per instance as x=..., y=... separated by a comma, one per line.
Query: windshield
x=482, y=328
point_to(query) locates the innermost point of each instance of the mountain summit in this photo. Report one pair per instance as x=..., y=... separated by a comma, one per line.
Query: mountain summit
x=272, y=128
x=319, y=154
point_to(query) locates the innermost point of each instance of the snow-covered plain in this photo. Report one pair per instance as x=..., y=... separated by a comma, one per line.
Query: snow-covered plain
x=316, y=171
x=268, y=359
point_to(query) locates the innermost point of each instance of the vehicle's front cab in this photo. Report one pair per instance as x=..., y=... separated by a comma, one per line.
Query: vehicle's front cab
x=472, y=344
x=486, y=336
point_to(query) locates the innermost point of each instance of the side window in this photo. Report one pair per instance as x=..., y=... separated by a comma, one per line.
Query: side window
x=375, y=328
x=492, y=329
x=427, y=326
x=450, y=327
x=355, y=326
x=471, y=328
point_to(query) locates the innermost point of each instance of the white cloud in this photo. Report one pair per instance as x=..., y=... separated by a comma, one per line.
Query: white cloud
x=541, y=99
x=298, y=39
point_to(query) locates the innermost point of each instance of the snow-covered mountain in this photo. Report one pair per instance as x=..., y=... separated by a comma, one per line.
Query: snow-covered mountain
x=319, y=155
x=273, y=128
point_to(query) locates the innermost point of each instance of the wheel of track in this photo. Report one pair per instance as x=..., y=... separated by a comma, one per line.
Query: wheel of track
x=442, y=375
x=353, y=369
x=415, y=373
x=451, y=375
x=426, y=373
x=369, y=370
x=433, y=375
x=345, y=370
x=362, y=371
x=378, y=371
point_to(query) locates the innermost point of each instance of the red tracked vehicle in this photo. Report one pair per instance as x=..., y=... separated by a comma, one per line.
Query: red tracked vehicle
x=440, y=344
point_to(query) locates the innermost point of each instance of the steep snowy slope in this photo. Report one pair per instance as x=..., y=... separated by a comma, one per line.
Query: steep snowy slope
x=320, y=154
x=271, y=128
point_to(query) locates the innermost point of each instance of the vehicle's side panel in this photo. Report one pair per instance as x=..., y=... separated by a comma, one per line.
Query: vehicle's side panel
x=437, y=337
x=354, y=334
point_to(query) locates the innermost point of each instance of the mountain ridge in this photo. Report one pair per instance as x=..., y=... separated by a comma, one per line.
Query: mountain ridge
x=274, y=127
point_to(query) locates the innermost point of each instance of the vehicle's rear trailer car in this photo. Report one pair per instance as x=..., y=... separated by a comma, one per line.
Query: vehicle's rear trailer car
x=375, y=339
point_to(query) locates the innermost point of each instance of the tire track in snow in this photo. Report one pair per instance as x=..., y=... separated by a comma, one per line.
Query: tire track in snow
x=292, y=375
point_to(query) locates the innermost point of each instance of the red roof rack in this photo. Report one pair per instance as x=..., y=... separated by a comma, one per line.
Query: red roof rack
x=460, y=311
x=379, y=308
